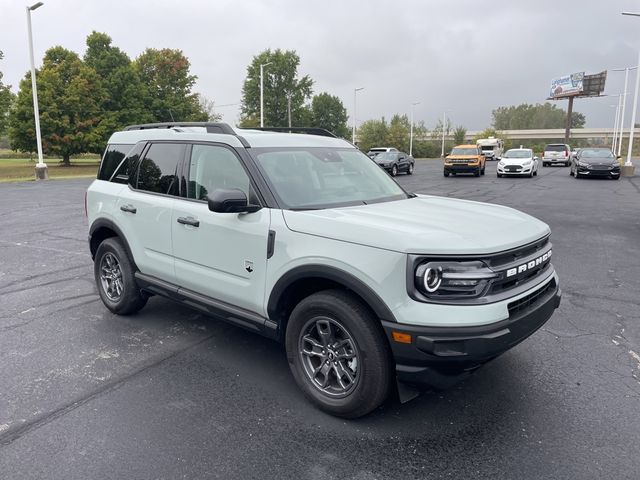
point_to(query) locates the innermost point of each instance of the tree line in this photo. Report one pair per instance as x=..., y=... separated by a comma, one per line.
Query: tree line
x=82, y=100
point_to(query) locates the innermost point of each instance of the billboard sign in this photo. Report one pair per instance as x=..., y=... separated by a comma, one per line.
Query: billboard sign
x=567, y=86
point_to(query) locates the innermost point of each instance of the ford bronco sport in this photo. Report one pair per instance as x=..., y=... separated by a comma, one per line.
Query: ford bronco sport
x=303, y=239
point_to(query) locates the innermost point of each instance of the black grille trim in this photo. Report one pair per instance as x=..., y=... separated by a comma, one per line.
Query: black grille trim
x=530, y=300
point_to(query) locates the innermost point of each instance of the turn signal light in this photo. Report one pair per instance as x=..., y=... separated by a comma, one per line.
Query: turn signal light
x=401, y=337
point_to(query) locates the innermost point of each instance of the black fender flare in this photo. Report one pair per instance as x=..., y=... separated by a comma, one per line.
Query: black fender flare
x=106, y=223
x=370, y=297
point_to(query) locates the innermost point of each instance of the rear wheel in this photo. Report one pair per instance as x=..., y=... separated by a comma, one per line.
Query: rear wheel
x=339, y=357
x=410, y=170
x=114, y=275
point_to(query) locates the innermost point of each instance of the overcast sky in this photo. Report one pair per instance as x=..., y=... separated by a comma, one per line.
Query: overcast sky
x=463, y=56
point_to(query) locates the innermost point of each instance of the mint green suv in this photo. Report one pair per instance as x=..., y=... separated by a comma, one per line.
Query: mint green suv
x=302, y=238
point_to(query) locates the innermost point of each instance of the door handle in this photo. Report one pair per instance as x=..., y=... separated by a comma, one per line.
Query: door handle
x=189, y=221
x=128, y=208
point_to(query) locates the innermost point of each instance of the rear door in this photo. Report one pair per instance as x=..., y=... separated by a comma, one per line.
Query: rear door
x=220, y=255
x=144, y=209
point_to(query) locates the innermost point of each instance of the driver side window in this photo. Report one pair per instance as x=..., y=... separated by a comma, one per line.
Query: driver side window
x=212, y=167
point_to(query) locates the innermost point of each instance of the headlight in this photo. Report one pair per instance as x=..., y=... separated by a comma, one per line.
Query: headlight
x=501, y=163
x=527, y=163
x=582, y=164
x=446, y=280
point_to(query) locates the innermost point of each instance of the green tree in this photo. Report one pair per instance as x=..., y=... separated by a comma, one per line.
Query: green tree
x=124, y=97
x=168, y=84
x=6, y=99
x=328, y=112
x=281, y=85
x=69, y=98
x=459, y=134
x=528, y=117
x=398, y=133
x=372, y=133
x=208, y=107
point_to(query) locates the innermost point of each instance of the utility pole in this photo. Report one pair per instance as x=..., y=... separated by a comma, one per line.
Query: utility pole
x=567, y=128
x=42, y=172
x=353, y=137
x=444, y=122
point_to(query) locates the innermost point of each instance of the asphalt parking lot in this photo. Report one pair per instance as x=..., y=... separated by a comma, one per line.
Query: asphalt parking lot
x=170, y=393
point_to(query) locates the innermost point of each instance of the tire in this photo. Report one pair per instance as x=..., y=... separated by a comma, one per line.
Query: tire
x=531, y=174
x=483, y=169
x=394, y=170
x=477, y=173
x=576, y=175
x=544, y=164
x=360, y=386
x=115, y=279
x=571, y=172
x=446, y=174
x=616, y=177
x=499, y=175
x=410, y=170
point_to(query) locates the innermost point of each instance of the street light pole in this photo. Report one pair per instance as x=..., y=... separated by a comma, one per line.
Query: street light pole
x=411, y=131
x=628, y=168
x=262, y=65
x=444, y=121
x=615, y=127
x=41, y=167
x=353, y=136
x=624, y=104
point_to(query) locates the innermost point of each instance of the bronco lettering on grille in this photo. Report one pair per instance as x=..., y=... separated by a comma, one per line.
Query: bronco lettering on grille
x=529, y=265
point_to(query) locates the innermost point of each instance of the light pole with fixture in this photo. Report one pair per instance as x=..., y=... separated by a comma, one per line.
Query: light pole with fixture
x=353, y=136
x=411, y=131
x=41, y=167
x=262, y=65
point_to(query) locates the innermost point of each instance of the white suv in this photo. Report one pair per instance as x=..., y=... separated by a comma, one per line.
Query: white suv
x=303, y=239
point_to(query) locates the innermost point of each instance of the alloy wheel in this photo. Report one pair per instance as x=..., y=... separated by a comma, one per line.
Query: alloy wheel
x=111, y=277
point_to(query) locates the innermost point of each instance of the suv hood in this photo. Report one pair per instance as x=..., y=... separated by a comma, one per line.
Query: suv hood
x=516, y=161
x=424, y=225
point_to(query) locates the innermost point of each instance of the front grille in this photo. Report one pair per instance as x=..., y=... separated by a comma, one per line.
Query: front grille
x=600, y=167
x=512, y=169
x=531, y=300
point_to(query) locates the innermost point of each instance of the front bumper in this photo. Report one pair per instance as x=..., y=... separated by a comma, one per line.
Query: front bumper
x=461, y=168
x=441, y=356
x=505, y=170
x=592, y=172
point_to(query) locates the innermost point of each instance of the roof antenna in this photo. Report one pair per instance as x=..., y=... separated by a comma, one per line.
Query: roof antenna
x=172, y=119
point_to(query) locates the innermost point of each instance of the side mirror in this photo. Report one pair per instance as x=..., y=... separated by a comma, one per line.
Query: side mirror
x=230, y=200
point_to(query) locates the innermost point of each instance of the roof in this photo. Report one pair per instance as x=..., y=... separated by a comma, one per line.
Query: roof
x=254, y=138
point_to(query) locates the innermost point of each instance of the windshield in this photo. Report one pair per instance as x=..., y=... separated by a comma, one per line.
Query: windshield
x=596, y=153
x=313, y=178
x=487, y=148
x=518, y=154
x=464, y=151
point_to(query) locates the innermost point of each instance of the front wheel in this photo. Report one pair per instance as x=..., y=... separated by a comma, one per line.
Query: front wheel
x=338, y=355
x=394, y=170
x=446, y=174
x=114, y=275
x=477, y=172
x=499, y=175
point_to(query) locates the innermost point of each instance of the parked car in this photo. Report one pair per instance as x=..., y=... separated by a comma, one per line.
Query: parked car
x=303, y=239
x=518, y=161
x=395, y=162
x=376, y=150
x=595, y=162
x=556, y=153
x=465, y=159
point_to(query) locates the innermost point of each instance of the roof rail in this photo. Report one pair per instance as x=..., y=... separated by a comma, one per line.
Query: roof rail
x=212, y=127
x=308, y=130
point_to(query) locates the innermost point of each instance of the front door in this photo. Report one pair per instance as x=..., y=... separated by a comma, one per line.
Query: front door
x=220, y=255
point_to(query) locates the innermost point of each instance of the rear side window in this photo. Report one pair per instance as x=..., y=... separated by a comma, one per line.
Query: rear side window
x=158, y=171
x=113, y=156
